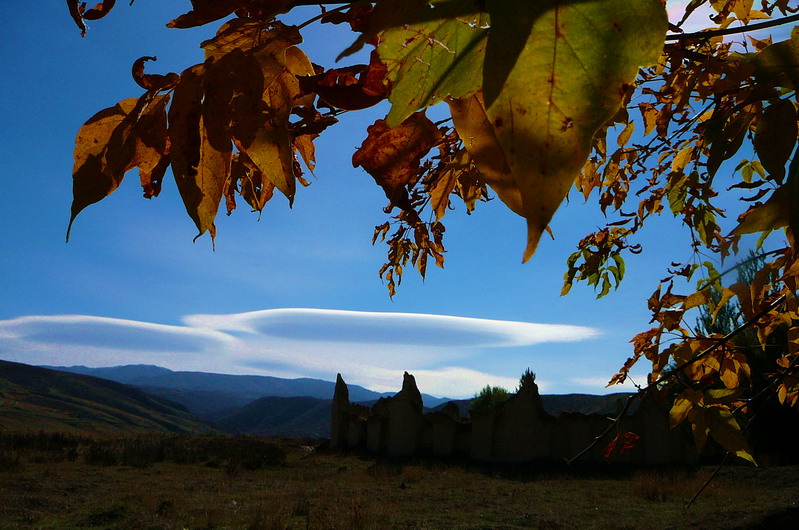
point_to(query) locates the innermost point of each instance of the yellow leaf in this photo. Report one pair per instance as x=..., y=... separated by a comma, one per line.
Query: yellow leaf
x=185, y=115
x=478, y=136
x=682, y=158
x=115, y=140
x=679, y=411
x=304, y=145
x=625, y=134
x=726, y=431
x=726, y=294
x=782, y=392
x=696, y=299
x=729, y=373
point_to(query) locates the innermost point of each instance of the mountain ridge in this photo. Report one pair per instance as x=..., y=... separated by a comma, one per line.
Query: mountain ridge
x=36, y=398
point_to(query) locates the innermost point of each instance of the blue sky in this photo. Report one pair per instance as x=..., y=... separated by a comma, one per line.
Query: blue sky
x=294, y=294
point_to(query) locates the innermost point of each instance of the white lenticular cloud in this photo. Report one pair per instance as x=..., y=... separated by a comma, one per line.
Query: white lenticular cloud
x=112, y=333
x=410, y=329
x=451, y=356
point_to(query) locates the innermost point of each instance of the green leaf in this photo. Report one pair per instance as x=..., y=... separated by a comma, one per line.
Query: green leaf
x=677, y=192
x=386, y=14
x=554, y=73
x=428, y=60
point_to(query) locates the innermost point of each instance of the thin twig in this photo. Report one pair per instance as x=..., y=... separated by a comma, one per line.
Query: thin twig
x=708, y=481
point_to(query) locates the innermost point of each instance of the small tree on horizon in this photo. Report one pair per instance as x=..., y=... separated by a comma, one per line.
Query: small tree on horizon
x=488, y=398
x=527, y=378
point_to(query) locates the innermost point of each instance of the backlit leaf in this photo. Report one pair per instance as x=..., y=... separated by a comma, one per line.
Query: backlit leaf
x=433, y=55
x=205, y=11
x=99, y=11
x=679, y=411
x=91, y=181
x=184, y=133
x=152, y=81
x=554, y=73
x=445, y=185
x=479, y=138
x=115, y=140
x=772, y=214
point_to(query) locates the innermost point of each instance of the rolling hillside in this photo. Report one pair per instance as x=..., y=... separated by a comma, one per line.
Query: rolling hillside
x=280, y=416
x=33, y=399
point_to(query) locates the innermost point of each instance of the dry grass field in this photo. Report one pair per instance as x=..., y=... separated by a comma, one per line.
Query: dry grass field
x=176, y=482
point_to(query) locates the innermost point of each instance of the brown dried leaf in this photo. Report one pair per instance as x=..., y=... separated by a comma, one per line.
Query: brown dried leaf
x=392, y=155
x=75, y=12
x=304, y=145
x=205, y=11
x=99, y=11
x=154, y=82
x=446, y=182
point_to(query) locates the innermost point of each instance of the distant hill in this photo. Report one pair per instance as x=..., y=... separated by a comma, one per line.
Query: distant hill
x=209, y=394
x=556, y=404
x=34, y=398
x=281, y=416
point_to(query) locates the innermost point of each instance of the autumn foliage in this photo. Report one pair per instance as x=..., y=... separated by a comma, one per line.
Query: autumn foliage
x=605, y=96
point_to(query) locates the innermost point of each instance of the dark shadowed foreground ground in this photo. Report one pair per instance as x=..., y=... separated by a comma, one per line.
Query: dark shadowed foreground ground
x=167, y=481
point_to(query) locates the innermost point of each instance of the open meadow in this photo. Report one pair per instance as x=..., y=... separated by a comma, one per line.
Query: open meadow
x=169, y=481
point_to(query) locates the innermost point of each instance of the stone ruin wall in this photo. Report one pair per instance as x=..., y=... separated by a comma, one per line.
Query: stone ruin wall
x=516, y=431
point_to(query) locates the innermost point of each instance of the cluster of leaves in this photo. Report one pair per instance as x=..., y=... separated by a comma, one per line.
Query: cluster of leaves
x=475, y=56
x=706, y=100
x=542, y=96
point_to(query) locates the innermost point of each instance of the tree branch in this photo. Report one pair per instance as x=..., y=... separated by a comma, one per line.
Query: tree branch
x=731, y=31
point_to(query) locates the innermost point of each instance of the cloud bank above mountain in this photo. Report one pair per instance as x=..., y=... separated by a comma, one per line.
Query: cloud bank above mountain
x=450, y=355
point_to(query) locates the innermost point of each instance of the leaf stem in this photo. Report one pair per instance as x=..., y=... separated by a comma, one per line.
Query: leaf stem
x=323, y=15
